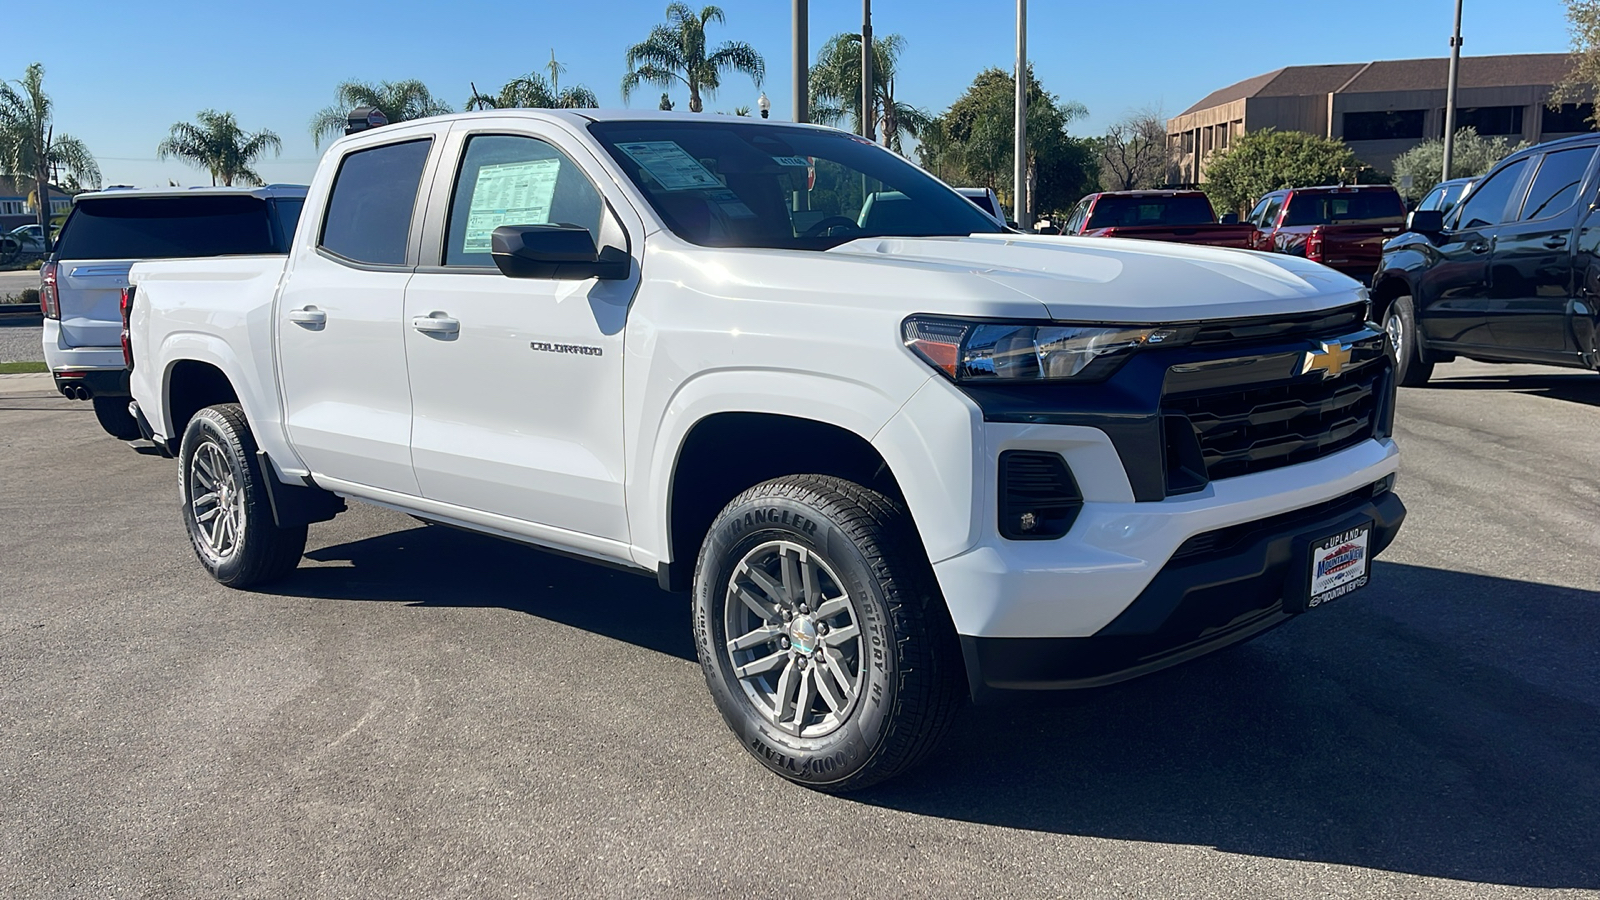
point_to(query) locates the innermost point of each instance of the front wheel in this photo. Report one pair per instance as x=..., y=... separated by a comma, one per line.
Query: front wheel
x=113, y=415
x=822, y=635
x=1400, y=322
x=225, y=504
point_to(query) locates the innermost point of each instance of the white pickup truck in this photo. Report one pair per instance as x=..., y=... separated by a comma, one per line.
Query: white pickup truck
x=899, y=454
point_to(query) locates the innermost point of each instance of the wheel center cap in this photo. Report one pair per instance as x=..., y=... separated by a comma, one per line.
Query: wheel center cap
x=803, y=635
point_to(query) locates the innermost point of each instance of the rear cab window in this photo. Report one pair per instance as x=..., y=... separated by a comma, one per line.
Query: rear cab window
x=370, y=208
x=169, y=228
x=1344, y=208
x=1126, y=212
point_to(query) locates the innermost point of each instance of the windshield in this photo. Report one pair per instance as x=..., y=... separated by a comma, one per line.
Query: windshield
x=1344, y=208
x=733, y=184
x=1127, y=212
x=167, y=227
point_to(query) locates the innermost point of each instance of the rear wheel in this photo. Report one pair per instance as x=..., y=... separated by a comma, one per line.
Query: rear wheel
x=823, y=638
x=225, y=504
x=115, y=418
x=1400, y=322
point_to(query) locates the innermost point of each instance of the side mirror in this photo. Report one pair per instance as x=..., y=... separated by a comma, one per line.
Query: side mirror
x=564, y=252
x=1425, y=221
x=1230, y=219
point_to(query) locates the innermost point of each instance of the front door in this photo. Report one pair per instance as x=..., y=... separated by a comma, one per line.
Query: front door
x=1531, y=275
x=1454, y=292
x=342, y=358
x=516, y=383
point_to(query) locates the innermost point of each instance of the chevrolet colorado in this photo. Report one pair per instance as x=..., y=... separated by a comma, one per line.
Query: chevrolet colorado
x=899, y=454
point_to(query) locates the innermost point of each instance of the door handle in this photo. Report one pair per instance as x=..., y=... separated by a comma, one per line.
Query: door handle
x=1556, y=241
x=1480, y=247
x=436, y=323
x=309, y=316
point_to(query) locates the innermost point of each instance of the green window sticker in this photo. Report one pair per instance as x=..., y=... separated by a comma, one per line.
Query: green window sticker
x=509, y=194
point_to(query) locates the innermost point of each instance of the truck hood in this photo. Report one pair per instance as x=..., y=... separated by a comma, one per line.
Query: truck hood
x=1116, y=280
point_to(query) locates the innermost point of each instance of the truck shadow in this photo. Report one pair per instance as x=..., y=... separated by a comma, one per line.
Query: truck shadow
x=1579, y=387
x=1439, y=723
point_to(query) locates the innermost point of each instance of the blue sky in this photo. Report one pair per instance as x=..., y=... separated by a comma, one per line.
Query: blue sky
x=122, y=72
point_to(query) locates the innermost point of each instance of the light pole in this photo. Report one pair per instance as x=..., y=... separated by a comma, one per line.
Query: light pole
x=1019, y=206
x=868, y=108
x=763, y=104
x=1450, y=96
x=802, y=62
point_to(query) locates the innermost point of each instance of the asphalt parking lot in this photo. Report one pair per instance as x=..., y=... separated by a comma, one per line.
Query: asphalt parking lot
x=420, y=712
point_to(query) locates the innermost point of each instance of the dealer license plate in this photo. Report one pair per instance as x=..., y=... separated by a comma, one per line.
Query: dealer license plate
x=1339, y=564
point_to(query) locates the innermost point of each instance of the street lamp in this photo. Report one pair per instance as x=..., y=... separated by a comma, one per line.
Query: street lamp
x=764, y=105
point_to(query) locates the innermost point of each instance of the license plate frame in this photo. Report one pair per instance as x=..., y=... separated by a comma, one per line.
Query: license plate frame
x=1331, y=565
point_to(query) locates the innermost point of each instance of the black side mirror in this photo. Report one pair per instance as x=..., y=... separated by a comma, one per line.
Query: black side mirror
x=566, y=252
x=1230, y=219
x=1425, y=221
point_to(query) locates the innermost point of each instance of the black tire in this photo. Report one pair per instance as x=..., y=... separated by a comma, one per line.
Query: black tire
x=905, y=657
x=115, y=418
x=1400, y=321
x=260, y=551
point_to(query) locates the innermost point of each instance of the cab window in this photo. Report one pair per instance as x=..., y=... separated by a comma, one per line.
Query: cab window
x=1487, y=203
x=1555, y=185
x=514, y=180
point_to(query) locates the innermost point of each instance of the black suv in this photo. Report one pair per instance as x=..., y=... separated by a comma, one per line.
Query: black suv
x=1510, y=274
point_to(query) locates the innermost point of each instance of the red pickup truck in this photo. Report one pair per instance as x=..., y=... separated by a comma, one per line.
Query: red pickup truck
x=1183, y=217
x=1341, y=227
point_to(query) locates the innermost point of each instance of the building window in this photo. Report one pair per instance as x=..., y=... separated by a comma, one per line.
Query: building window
x=60, y=205
x=1391, y=125
x=1568, y=118
x=1502, y=120
x=11, y=208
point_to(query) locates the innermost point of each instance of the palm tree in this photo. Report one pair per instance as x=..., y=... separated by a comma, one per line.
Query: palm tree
x=30, y=147
x=532, y=91
x=676, y=52
x=836, y=88
x=399, y=101
x=219, y=146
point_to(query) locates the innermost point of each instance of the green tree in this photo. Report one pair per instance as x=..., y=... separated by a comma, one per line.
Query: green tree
x=836, y=89
x=218, y=145
x=30, y=147
x=1473, y=155
x=666, y=102
x=531, y=91
x=1268, y=160
x=675, y=52
x=1582, y=85
x=972, y=143
x=399, y=101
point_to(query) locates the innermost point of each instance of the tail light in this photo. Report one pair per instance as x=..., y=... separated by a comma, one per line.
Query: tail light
x=127, y=315
x=49, y=297
x=1314, y=245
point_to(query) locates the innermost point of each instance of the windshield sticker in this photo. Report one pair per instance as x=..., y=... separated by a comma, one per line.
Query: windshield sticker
x=670, y=165
x=509, y=194
x=731, y=204
x=800, y=161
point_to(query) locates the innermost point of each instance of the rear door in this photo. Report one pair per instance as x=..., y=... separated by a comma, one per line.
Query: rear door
x=1531, y=272
x=517, y=382
x=341, y=348
x=105, y=236
x=1453, y=294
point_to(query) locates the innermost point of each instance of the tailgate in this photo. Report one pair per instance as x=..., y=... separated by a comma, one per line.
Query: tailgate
x=91, y=298
x=1355, y=246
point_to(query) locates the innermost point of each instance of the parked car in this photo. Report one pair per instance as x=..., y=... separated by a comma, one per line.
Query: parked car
x=985, y=199
x=1342, y=227
x=22, y=244
x=900, y=454
x=1183, y=217
x=1510, y=274
x=1446, y=194
x=81, y=284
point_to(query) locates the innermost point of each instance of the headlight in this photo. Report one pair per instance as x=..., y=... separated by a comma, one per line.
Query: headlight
x=968, y=350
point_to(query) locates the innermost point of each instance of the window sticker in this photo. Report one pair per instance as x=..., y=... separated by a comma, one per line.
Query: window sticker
x=670, y=165
x=800, y=161
x=509, y=194
x=731, y=204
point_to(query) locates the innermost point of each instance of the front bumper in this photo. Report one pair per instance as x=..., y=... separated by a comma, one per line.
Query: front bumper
x=1222, y=587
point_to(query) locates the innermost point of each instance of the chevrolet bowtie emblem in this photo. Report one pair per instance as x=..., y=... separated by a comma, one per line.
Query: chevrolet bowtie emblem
x=1330, y=360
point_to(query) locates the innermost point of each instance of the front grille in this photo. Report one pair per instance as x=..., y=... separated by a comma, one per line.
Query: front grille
x=1252, y=428
x=1239, y=331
